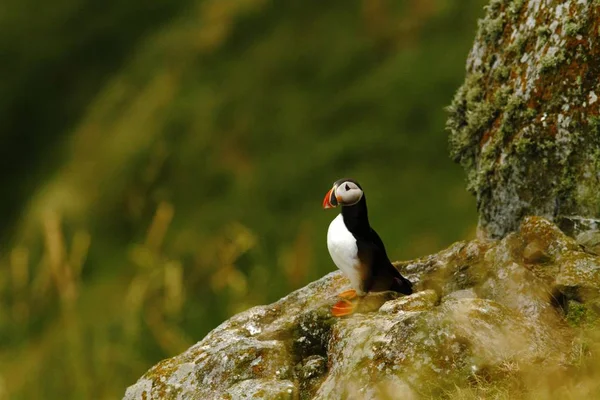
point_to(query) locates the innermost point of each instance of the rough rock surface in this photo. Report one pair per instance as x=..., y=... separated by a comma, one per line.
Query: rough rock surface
x=482, y=310
x=525, y=124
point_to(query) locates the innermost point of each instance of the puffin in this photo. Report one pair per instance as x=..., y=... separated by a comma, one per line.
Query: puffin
x=356, y=248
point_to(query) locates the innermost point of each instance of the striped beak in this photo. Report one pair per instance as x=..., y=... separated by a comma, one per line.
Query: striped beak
x=330, y=200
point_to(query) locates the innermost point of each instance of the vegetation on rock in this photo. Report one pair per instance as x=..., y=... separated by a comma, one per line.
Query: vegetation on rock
x=524, y=125
x=487, y=316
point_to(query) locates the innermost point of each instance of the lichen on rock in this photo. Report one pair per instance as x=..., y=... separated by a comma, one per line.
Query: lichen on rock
x=524, y=125
x=504, y=311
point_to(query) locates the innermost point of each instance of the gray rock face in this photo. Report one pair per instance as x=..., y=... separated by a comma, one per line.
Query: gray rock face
x=482, y=311
x=525, y=123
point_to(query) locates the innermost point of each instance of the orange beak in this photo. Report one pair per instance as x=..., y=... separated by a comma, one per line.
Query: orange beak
x=330, y=201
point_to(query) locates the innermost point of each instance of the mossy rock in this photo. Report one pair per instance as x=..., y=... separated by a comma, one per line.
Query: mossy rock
x=481, y=312
x=524, y=124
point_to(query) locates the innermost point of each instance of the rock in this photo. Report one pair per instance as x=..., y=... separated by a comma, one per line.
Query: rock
x=586, y=231
x=534, y=253
x=452, y=269
x=524, y=125
x=461, y=294
x=420, y=347
x=573, y=225
x=417, y=302
x=311, y=373
x=261, y=389
x=590, y=240
x=579, y=314
x=579, y=276
x=481, y=311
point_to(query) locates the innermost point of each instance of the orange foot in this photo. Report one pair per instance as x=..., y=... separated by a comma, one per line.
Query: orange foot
x=342, y=308
x=348, y=294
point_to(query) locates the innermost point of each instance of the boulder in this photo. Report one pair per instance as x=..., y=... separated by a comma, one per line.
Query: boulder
x=482, y=311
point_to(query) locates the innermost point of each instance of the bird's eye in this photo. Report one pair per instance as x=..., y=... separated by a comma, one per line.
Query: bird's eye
x=347, y=187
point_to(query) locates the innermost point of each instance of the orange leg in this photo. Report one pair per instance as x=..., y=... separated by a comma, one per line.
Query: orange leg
x=342, y=308
x=348, y=294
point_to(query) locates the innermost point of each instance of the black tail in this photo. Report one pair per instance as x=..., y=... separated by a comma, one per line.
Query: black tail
x=402, y=285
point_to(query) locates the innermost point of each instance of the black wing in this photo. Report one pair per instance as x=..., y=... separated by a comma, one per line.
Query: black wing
x=383, y=275
x=379, y=245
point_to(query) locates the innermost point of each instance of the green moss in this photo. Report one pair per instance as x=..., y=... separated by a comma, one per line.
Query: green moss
x=573, y=28
x=466, y=127
x=514, y=104
x=577, y=313
x=481, y=116
x=158, y=374
x=594, y=124
x=582, y=55
x=529, y=113
x=492, y=26
x=512, y=107
x=543, y=31
x=311, y=334
x=514, y=8
x=501, y=96
x=501, y=73
x=581, y=315
x=494, y=6
x=523, y=145
x=474, y=94
x=517, y=47
x=551, y=62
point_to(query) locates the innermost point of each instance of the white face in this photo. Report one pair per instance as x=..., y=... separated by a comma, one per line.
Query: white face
x=348, y=193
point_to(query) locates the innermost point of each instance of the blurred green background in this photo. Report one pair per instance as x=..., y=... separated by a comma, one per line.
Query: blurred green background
x=164, y=164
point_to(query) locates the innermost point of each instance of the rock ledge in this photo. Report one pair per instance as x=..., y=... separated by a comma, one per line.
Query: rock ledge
x=493, y=310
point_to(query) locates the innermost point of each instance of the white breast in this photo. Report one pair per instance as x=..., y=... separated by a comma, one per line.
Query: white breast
x=344, y=251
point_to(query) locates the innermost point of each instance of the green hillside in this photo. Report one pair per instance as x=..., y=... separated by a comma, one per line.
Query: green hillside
x=164, y=166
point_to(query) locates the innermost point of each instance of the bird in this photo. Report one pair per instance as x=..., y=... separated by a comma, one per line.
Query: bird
x=356, y=248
